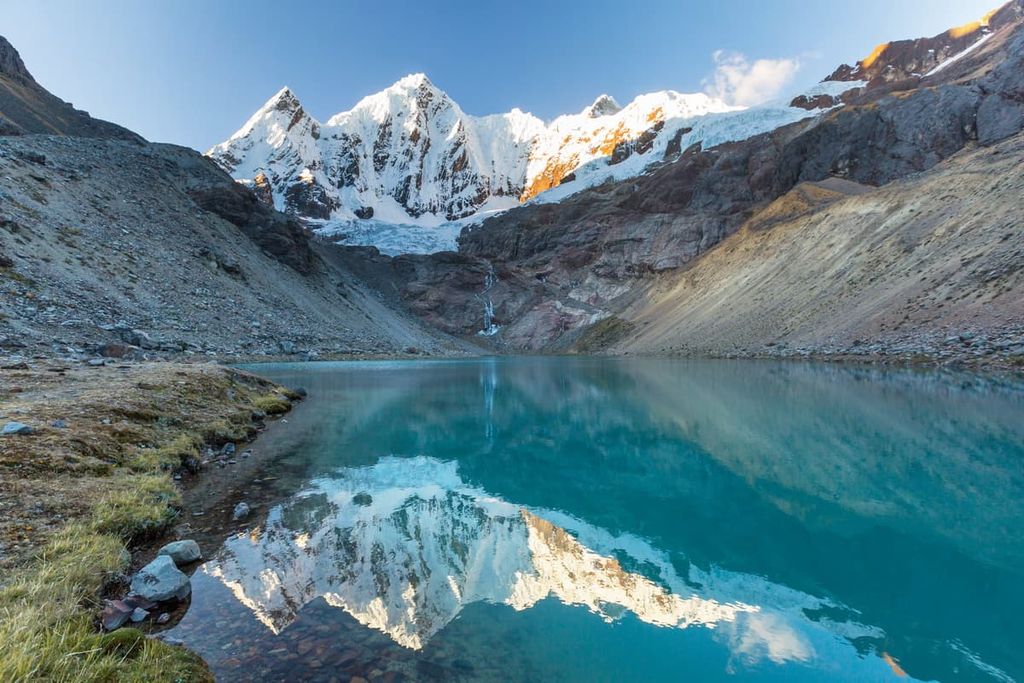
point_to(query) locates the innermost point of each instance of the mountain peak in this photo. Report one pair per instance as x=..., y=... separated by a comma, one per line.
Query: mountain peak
x=604, y=105
x=413, y=82
x=283, y=100
x=11, y=64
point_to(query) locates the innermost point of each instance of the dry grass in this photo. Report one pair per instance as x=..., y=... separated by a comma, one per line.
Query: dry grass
x=75, y=497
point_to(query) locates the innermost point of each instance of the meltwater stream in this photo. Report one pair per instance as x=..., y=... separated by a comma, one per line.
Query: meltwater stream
x=574, y=519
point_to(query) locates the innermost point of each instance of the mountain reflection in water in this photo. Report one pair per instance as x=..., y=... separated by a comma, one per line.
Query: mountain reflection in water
x=403, y=545
x=855, y=524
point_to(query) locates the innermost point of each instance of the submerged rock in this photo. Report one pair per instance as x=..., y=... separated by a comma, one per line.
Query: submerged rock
x=182, y=552
x=241, y=511
x=160, y=580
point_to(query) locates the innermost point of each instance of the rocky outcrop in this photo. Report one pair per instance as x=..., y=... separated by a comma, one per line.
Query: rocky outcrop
x=282, y=237
x=27, y=108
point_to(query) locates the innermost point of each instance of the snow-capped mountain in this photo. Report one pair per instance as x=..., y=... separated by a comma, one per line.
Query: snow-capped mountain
x=409, y=155
x=407, y=160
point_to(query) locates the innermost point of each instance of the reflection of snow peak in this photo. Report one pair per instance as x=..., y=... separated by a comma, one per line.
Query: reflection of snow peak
x=403, y=545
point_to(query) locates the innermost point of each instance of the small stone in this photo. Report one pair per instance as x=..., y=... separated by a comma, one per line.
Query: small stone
x=139, y=614
x=163, y=618
x=229, y=449
x=59, y=424
x=182, y=552
x=97, y=362
x=241, y=511
x=17, y=428
x=161, y=580
x=133, y=601
x=114, y=615
x=116, y=350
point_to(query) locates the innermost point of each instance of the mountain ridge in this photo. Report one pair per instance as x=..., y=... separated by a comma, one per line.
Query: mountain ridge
x=486, y=163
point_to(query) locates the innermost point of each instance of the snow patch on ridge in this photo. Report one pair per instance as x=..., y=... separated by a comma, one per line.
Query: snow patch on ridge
x=960, y=55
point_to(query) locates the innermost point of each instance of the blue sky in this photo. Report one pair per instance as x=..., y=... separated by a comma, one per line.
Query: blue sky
x=192, y=71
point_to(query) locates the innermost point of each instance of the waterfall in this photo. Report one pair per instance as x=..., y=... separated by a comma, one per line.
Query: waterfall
x=490, y=279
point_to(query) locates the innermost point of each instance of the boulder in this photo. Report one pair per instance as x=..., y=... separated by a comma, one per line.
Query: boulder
x=182, y=552
x=16, y=428
x=160, y=580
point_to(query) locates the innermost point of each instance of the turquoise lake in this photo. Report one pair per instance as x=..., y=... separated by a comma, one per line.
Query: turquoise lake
x=589, y=519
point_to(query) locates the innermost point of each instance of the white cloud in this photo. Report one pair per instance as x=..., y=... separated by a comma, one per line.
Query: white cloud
x=737, y=80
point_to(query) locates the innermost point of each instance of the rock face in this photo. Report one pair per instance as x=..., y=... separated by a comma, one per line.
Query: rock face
x=283, y=238
x=160, y=581
x=26, y=107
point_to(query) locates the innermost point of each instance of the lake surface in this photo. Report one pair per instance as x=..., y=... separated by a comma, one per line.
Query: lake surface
x=577, y=519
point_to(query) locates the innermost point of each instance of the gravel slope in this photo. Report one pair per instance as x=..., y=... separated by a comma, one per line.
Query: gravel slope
x=932, y=264
x=103, y=244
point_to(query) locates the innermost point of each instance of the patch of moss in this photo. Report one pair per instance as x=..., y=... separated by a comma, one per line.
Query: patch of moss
x=273, y=404
x=603, y=334
x=138, y=509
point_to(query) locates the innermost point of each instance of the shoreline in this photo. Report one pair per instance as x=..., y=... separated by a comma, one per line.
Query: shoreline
x=191, y=489
x=91, y=489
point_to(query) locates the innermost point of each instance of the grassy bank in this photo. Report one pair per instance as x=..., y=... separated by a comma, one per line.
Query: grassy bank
x=91, y=482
